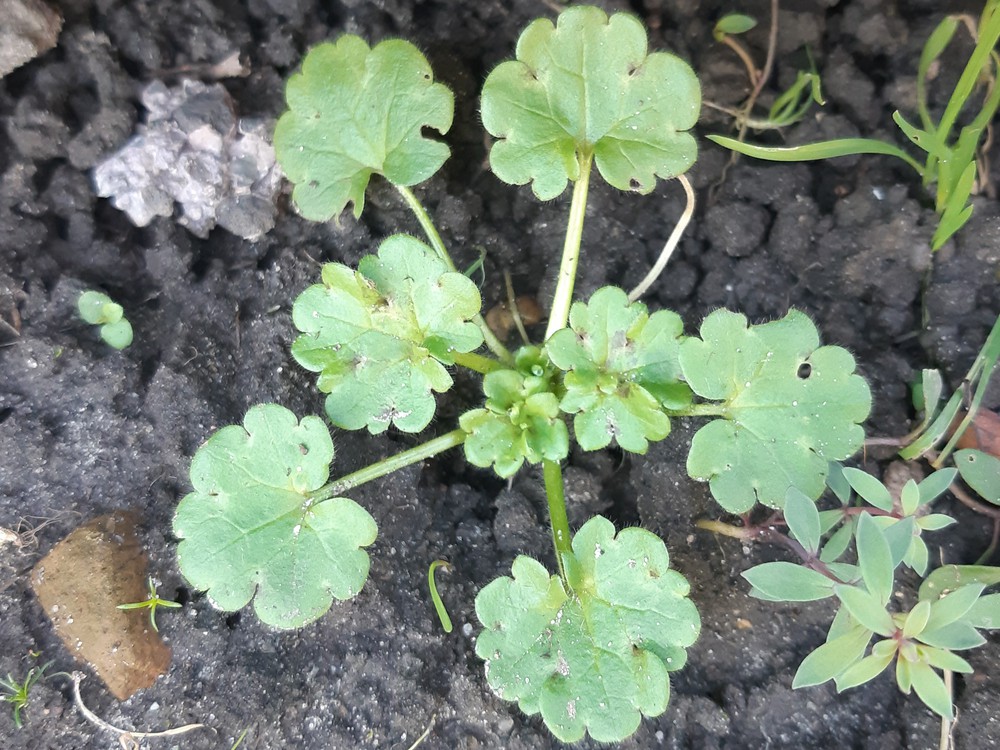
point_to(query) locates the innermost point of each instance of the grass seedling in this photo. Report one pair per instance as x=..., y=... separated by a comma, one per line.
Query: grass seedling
x=265, y=523
x=17, y=693
x=951, y=160
x=151, y=603
x=98, y=309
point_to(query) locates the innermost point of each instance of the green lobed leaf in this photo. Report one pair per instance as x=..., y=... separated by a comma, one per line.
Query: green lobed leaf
x=621, y=370
x=584, y=87
x=791, y=406
x=355, y=111
x=250, y=530
x=598, y=659
x=981, y=472
x=521, y=421
x=783, y=581
x=380, y=336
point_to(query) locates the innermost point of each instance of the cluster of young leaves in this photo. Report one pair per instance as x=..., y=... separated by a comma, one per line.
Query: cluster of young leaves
x=586, y=88
x=594, y=656
x=520, y=420
x=950, y=161
x=621, y=371
x=886, y=535
x=786, y=405
x=380, y=336
x=97, y=309
x=253, y=528
x=355, y=111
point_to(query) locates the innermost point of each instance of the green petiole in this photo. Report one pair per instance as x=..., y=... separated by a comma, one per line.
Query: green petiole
x=388, y=465
x=555, y=494
x=563, y=298
x=442, y=613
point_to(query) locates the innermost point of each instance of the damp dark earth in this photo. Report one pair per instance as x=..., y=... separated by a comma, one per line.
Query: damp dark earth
x=89, y=432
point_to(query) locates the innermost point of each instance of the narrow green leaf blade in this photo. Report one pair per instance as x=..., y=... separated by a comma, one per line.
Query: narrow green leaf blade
x=803, y=519
x=931, y=689
x=788, y=582
x=832, y=658
x=875, y=559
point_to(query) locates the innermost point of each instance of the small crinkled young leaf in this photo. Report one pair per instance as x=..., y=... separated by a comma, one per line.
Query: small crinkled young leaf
x=380, y=336
x=355, y=111
x=587, y=87
x=250, y=530
x=518, y=423
x=598, y=659
x=791, y=406
x=96, y=308
x=621, y=370
x=787, y=582
x=981, y=472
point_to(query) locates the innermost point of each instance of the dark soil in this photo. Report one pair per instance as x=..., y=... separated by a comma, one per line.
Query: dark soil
x=85, y=430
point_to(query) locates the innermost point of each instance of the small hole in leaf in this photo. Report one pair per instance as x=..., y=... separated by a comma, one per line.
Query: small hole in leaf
x=304, y=450
x=804, y=371
x=634, y=184
x=313, y=183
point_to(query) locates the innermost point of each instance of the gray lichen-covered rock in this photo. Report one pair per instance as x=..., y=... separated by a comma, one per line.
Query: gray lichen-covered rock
x=28, y=28
x=194, y=151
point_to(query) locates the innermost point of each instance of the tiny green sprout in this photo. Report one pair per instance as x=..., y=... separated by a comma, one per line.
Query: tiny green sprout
x=442, y=613
x=151, y=603
x=17, y=693
x=98, y=309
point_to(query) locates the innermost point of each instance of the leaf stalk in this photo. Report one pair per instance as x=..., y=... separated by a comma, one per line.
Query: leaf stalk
x=559, y=522
x=571, y=250
x=389, y=465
